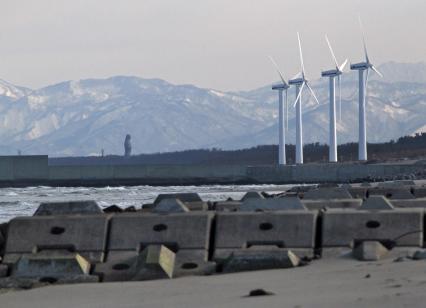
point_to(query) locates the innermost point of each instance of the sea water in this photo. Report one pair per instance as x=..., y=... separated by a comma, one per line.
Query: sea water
x=24, y=201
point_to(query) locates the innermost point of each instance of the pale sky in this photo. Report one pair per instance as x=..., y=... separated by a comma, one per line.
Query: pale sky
x=221, y=44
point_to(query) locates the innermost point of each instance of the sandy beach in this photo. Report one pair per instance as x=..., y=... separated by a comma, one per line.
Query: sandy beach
x=323, y=283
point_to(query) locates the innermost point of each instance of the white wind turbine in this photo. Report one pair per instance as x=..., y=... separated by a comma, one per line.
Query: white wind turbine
x=300, y=81
x=361, y=67
x=283, y=114
x=332, y=74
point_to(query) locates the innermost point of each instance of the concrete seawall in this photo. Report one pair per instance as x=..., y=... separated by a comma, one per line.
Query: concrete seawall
x=34, y=170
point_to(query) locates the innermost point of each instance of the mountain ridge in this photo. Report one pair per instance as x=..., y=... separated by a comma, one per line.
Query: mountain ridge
x=84, y=116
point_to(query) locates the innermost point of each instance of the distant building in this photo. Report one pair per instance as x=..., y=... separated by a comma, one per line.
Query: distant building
x=128, y=146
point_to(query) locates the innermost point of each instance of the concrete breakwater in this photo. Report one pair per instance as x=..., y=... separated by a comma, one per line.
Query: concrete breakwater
x=34, y=170
x=180, y=234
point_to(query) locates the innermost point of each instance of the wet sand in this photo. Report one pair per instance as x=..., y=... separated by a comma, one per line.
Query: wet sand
x=323, y=283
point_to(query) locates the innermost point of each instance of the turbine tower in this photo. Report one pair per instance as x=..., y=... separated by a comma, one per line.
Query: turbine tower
x=361, y=67
x=332, y=74
x=283, y=114
x=300, y=81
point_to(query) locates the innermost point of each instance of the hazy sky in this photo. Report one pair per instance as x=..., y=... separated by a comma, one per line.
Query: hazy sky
x=220, y=44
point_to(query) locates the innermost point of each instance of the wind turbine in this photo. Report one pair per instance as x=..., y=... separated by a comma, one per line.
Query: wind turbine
x=361, y=67
x=300, y=82
x=332, y=74
x=283, y=86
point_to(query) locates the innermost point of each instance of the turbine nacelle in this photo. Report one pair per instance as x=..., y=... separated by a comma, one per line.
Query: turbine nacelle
x=339, y=68
x=280, y=86
x=367, y=64
x=300, y=79
x=284, y=83
x=337, y=72
x=297, y=81
x=331, y=73
x=361, y=66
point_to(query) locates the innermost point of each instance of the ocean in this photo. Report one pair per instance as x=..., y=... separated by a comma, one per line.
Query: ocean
x=24, y=201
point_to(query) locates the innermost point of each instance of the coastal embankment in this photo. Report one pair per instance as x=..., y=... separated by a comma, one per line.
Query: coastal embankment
x=17, y=171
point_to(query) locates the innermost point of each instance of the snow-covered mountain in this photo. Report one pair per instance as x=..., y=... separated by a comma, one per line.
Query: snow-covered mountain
x=83, y=117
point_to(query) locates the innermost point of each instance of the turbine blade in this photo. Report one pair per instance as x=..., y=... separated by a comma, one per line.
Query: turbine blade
x=278, y=70
x=299, y=94
x=342, y=67
x=363, y=39
x=377, y=71
x=332, y=52
x=301, y=56
x=312, y=93
x=298, y=75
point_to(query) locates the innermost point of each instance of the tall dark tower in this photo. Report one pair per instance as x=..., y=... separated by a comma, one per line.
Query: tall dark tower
x=128, y=146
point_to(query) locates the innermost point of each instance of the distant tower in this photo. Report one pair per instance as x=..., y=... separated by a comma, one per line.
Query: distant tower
x=128, y=146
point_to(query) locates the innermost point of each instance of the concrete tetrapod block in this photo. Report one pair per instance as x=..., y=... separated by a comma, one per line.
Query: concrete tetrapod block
x=376, y=203
x=358, y=192
x=154, y=262
x=53, y=264
x=369, y=251
x=4, y=270
x=2, y=243
x=301, y=189
x=410, y=203
x=184, y=197
x=170, y=206
x=253, y=260
x=197, y=206
x=392, y=193
x=420, y=192
x=397, y=184
x=271, y=204
x=121, y=265
x=85, y=235
x=327, y=193
x=191, y=262
x=340, y=228
x=227, y=206
x=419, y=255
x=252, y=195
x=402, y=194
x=113, y=209
x=281, y=229
x=181, y=231
x=88, y=207
x=332, y=204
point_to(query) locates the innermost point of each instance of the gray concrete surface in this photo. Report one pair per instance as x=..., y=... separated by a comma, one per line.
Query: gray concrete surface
x=86, y=235
x=340, y=227
x=285, y=229
x=30, y=170
x=24, y=168
x=185, y=230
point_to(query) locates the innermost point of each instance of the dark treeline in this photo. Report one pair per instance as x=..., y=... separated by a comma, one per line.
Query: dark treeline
x=409, y=147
